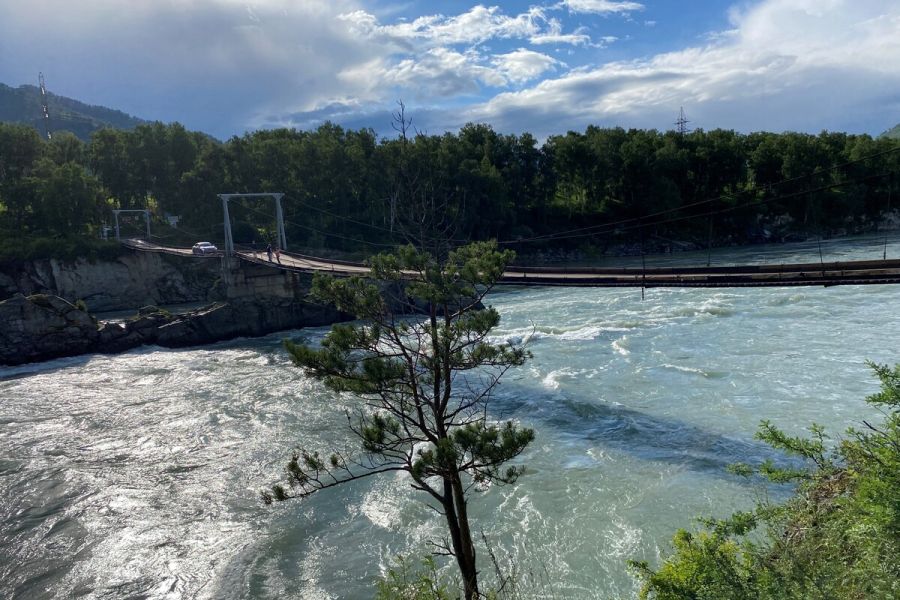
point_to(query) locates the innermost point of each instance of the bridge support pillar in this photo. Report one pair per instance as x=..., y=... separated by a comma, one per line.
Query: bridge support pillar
x=243, y=280
x=229, y=241
x=279, y=221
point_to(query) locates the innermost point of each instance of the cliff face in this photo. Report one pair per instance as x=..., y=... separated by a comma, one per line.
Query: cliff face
x=132, y=280
x=258, y=300
x=42, y=327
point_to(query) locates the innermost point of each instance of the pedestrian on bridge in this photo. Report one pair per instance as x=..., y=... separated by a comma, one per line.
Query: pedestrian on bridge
x=277, y=254
x=269, y=252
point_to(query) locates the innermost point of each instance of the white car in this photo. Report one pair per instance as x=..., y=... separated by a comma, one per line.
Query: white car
x=202, y=248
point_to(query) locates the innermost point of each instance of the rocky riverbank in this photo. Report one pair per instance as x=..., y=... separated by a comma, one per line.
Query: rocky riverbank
x=129, y=281
x=41, y=327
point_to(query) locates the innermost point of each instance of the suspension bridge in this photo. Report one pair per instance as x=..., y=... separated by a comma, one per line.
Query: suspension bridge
x=788, y=274
x=821, y=273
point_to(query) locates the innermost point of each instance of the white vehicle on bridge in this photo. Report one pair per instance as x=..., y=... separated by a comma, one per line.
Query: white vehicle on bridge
x=203, y=248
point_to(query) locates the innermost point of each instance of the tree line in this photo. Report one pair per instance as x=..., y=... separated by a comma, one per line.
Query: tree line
x=590, y=190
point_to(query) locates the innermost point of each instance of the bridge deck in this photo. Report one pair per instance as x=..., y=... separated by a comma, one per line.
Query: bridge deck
x=827, y=274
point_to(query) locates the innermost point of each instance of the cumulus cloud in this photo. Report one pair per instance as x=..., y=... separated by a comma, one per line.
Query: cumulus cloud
x=441, y=72
x=523, y=65
x=600, y=7
x=436, y=57
x=225, y=65
x=474, y=26
x=801, y=64
x=553, y=35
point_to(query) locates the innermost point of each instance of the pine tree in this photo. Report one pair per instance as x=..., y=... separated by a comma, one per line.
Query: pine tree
x=424, y=383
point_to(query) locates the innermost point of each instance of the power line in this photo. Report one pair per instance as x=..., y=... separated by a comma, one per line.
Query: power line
x=604, y=227
x=325, y=233
x=342, y=217
x=767, y=187
x=642, y=224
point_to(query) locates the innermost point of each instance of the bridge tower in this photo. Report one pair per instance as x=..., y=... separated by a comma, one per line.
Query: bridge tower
x=279, y=218
x=144, y=211
x=44, y=109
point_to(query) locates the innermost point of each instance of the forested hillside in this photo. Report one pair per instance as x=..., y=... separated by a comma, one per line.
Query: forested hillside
x=23, y=105
x=613, y=187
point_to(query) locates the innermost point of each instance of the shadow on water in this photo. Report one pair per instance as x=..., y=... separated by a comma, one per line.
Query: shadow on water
x=646, y=437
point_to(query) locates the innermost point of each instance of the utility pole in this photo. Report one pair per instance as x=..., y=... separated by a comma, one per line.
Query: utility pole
x=44, y=109
x=681, y=123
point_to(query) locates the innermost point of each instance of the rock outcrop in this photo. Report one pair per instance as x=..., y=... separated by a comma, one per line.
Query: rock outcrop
x=258, y=300
x=222, y=321
x=42, y=327
x=131, y=280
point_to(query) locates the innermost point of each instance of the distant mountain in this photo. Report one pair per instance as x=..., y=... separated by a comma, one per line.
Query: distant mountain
x=23, y=105
x=894, y=133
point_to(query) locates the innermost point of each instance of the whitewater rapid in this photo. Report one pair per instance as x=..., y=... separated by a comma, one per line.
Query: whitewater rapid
x=138, y=475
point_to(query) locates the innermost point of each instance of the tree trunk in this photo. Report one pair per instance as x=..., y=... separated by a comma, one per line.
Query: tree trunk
x=460, y=535
x=469, y=572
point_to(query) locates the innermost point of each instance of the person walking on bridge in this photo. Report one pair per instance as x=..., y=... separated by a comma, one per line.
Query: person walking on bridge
x=278, y=254
x=269, y=252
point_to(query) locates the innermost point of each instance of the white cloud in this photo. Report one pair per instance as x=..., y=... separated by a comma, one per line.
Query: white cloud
x=441, y=73
x=221, y=65
x=437, y=57
x=444, y=73
x=600, y=7
x=475, y=26
x=554, y=35
x=803, y=64
x=523, y=65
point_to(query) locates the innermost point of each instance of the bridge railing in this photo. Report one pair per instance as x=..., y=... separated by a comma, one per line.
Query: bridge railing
x=345, y=263
x=768, y=268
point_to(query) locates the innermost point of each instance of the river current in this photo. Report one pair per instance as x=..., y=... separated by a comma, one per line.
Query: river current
x=137, y=475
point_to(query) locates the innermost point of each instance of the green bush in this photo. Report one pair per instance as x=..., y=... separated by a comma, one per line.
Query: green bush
x=837, y=537
x=404, y=581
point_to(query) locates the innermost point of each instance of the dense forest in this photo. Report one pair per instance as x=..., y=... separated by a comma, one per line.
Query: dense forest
x=603, y=190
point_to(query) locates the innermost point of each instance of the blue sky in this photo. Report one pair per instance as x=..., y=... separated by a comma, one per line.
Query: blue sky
x=229, y=66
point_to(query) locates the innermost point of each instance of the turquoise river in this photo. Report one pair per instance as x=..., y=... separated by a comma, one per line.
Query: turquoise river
x=137, y=475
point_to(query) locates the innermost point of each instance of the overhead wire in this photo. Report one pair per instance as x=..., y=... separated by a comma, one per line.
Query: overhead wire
x=553, y=236
x=325, y=233
x=729, y=208
x=754, y=203
x=603, y=227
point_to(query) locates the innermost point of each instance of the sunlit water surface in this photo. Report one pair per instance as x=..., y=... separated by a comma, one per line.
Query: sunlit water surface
x=137, y=475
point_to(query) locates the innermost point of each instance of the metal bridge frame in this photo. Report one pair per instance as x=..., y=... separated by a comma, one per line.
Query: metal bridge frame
x=146, y=215
x=279, y=218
